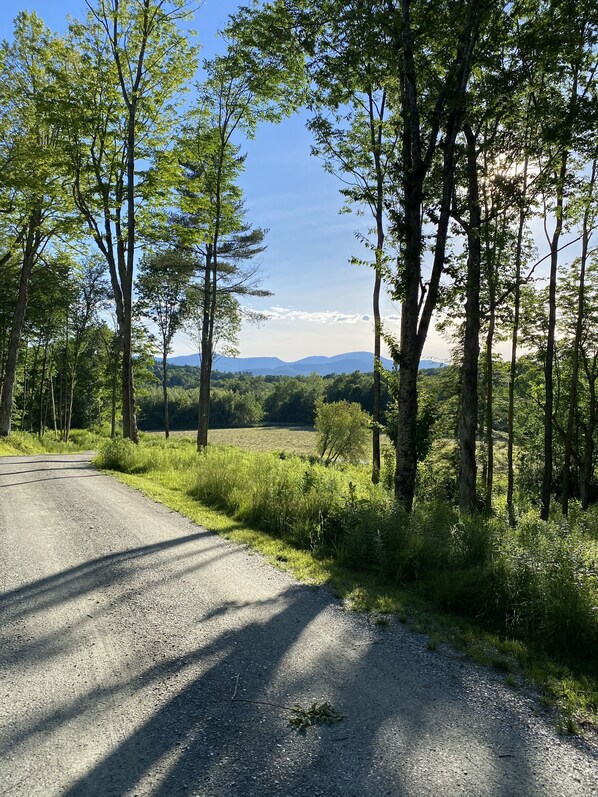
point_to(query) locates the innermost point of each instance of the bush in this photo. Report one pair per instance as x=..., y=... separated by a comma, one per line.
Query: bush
x=288, y=497
x=342, y=431
x=118, y=454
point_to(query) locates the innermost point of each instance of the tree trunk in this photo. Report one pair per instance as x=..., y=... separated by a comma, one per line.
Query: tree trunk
x=588, y=459
x=30, y=403
x=53, y=405
x=204, y=395
x=8, y=386
x=568, y=442
x=165, y=393
x=414, y=168
x=128, y=391
x=406, y=465
x=69, y=408
x=514, y=344
x=546, y=492
x=489, y=424
x=376, y=136
x=376, y=460
x=113, y=397
x=205, y=374
x=25, y=384
x=468, y=411
x=42, y=390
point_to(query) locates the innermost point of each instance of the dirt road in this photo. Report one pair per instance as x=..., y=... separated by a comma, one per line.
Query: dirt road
x=124, y=630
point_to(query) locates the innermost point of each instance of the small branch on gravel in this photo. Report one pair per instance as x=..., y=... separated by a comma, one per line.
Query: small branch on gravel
x=235, y=699
x=301, y=718
x=236, y=687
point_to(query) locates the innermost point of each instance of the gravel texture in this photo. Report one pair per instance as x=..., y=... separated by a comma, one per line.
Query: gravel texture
x=125, y=630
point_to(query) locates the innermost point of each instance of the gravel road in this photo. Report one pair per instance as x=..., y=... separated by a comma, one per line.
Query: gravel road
x=125, y=628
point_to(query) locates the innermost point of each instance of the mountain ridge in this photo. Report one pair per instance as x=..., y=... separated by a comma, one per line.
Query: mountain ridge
x=346, y=363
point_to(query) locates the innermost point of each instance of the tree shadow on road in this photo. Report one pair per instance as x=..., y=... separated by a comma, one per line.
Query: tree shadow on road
x=407, y=729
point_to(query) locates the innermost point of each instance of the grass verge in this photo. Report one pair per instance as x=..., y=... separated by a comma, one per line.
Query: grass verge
x=18, y=443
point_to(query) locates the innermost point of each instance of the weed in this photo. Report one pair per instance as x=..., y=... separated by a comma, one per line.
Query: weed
x=566, y=724
x=316, y=714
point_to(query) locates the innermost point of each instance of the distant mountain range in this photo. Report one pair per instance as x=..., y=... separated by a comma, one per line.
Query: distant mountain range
x=273, y=366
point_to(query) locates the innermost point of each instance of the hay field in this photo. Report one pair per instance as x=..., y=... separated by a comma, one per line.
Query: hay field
x=292, y=439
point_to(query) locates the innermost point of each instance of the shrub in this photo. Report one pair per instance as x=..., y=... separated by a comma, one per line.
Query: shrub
x=118, y=454
x=342, y=431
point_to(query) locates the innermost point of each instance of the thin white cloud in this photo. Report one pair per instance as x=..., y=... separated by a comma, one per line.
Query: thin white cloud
x=278, y=313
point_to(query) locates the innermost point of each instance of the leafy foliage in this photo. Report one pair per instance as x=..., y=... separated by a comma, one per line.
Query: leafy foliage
x=342, y=431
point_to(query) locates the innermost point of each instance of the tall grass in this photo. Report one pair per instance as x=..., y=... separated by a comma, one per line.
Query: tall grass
x=26, y=443
x=537, y=582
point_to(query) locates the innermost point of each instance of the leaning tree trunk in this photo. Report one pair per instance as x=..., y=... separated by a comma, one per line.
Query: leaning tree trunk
x=468, y=409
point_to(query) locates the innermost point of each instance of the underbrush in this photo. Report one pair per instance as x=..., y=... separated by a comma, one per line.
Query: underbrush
x=537, y=582
x=27, y=443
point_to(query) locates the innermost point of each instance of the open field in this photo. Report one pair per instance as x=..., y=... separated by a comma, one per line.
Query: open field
x=292, y=439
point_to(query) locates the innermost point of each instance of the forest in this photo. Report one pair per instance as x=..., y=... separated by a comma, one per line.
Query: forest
x=464, y=133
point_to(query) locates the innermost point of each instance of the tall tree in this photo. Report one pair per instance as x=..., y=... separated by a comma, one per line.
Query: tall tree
x=34, y=196
x=234, y=99
x=416, y=40
x=356, y=135
x=577, y=308
x=426, y=113
x=131, y=61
